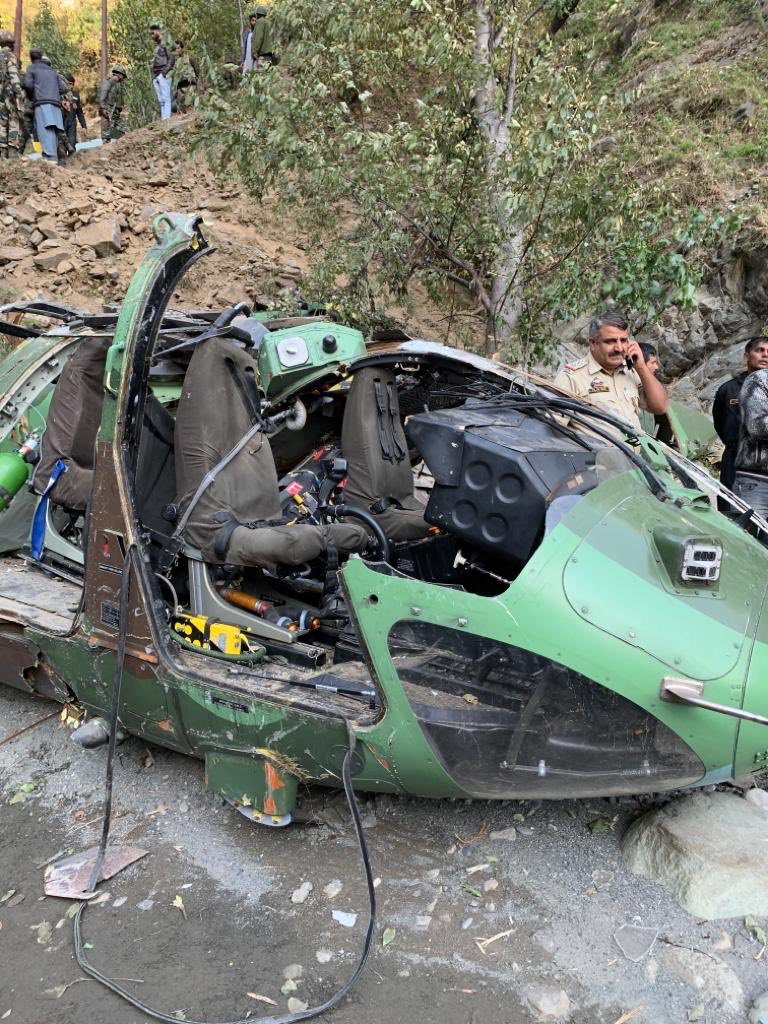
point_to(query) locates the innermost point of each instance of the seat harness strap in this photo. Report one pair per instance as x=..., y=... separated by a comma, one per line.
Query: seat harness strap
x=381, y=411
x=399, y=451
x=37, y=539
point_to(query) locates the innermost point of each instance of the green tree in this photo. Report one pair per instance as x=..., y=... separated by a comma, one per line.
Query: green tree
x=49, y=34
x=456, y=144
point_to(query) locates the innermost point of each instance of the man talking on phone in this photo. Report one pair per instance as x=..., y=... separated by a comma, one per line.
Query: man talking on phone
x=614, y=376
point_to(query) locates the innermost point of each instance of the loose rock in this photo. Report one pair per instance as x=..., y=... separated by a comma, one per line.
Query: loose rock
x=11, y=254
x=758, y=798
x=102, y=236
x=549, y=1002
x=300, y=895
x=707, y=975
x=758, y=1011
x=708, y=850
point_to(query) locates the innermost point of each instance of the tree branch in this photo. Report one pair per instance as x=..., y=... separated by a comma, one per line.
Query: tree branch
x=561, y=19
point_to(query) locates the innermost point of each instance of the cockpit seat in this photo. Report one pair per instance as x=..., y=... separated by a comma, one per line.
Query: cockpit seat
x=238, y=518
x=380, y=478
x=72, y=425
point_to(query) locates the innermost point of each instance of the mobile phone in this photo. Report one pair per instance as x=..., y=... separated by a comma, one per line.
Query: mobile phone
x=631, y=362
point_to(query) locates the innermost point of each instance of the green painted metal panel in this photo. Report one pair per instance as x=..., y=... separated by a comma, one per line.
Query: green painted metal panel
x=294, y=356
x=618, y=581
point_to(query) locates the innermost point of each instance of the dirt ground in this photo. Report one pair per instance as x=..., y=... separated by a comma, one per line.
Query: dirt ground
x=558, y=889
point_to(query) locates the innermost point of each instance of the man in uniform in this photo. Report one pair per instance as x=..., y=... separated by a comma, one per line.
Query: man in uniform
x=726, y=408
x=605, y=379
x=183, y=79
x=111, y=101
x=162, y=65
x=11, y=99
x=261, y=41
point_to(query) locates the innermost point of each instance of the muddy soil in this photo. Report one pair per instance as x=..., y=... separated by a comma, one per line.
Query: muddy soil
x=557, y=888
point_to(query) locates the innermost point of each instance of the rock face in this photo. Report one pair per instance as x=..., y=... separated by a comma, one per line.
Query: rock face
x=102, y=236
x=708, y=849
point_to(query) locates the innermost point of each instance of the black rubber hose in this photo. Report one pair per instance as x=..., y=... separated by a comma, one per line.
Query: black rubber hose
x=352, y=512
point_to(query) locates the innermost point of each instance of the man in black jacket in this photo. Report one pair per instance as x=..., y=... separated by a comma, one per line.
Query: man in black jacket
x=73, y=115
x=163, y=60
x=726, y=408
x=45, y=88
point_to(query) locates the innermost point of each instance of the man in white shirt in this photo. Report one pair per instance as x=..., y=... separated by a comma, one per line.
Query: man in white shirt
x=247, y=57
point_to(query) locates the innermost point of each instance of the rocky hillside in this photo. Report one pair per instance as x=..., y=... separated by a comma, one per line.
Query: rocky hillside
x=693, y=77
x=76, y=233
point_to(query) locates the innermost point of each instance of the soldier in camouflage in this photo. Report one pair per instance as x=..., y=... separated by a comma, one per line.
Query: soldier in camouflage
x=111, y=102
x=183, y=79
x=11, y=98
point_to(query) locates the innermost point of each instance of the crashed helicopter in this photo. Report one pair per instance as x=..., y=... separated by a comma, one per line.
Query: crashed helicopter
x=289, y=536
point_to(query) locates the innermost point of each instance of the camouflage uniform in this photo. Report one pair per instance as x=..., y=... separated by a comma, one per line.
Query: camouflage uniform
x=27, y=121
x=111, y=102
x=183, y=82
x=11, y=95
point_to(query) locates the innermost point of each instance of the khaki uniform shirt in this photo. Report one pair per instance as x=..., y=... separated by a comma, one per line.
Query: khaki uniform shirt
x=618, y=393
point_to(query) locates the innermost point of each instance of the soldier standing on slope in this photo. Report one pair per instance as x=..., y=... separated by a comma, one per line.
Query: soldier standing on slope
x=11, y=99
x=111, y=102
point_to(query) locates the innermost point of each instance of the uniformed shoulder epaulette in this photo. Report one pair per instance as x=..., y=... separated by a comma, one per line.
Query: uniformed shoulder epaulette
x=578, y=365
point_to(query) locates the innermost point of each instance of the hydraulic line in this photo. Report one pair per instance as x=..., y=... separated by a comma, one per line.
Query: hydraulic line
x=346, y=776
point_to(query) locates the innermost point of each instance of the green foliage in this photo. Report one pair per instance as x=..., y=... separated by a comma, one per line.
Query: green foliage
x=386, y=134
x=49, y=34
x=209, y=28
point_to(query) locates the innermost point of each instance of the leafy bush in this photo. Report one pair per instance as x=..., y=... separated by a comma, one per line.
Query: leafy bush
x=49, y=34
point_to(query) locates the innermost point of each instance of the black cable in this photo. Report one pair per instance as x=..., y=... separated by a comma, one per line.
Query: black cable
x=346, y=776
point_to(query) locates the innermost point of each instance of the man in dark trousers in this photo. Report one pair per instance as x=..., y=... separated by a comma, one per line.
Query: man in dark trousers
x=74, y=114
x=726, y=408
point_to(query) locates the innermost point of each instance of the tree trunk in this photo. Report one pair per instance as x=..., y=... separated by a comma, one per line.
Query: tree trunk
x=104, y=43
x=494, y=107
x=17, y=26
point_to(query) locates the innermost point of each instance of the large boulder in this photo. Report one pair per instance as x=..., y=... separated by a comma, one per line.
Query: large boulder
x=103, y=236
x=708, y=849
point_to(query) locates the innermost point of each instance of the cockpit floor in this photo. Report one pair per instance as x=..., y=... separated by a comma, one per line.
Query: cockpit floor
x=29, y=596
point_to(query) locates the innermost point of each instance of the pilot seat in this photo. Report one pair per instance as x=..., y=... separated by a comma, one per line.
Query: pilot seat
x=379, y=473
x=237, y=519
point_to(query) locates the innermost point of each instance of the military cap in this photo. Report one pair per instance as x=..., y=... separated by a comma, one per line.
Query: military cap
x=157, y=24
x=6, y=37
x=260, y=11
x=119, y=70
